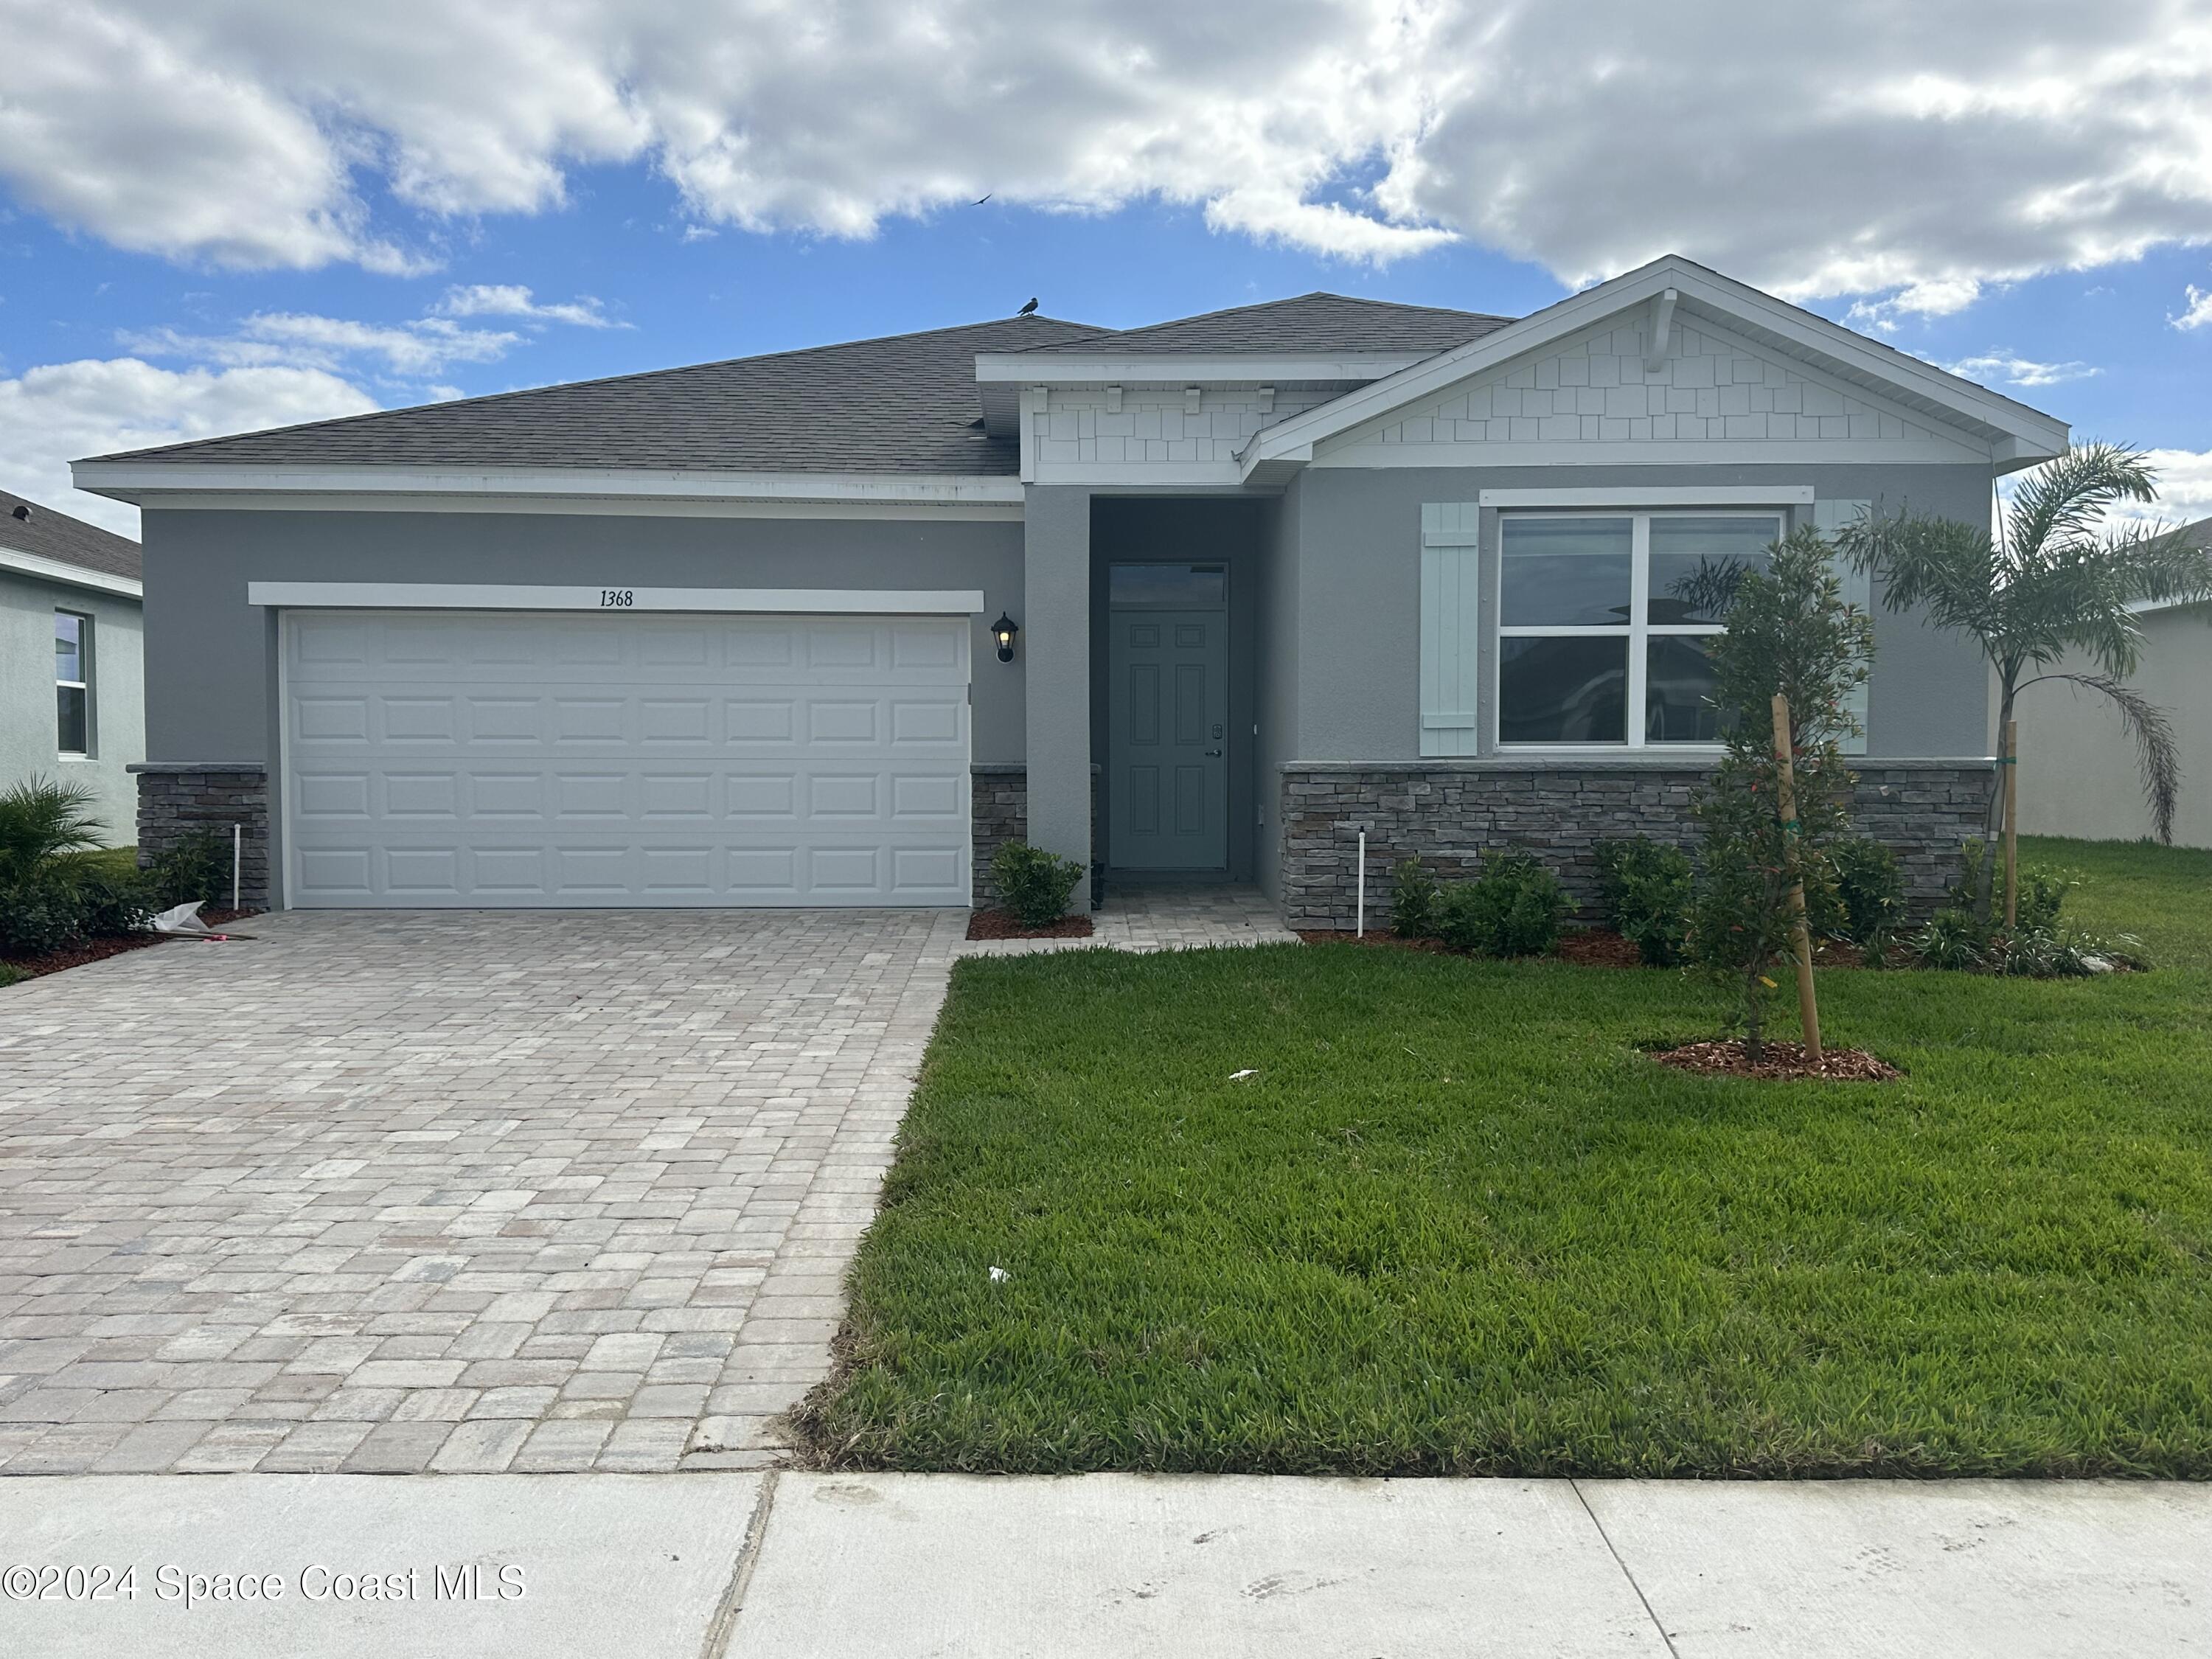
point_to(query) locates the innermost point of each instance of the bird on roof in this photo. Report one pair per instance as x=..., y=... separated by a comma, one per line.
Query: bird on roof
x=1029, y=310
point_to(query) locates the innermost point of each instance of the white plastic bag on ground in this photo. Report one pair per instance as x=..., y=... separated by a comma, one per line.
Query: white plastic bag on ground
x=180, y=918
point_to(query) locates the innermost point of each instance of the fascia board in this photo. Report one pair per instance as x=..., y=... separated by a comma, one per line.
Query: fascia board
x=69, y=575
x=1064, y=368
x=126, y=480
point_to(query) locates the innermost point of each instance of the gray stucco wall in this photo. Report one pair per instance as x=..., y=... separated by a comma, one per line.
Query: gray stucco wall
x=210, y=660
x=1278, y=693
x=28, y=735
x=1349, y=550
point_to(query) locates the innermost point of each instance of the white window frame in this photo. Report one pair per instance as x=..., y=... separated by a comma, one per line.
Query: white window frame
x=1639, y=634
x=84, y=668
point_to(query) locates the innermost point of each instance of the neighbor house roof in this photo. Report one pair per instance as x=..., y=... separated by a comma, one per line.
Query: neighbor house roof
x=1315, y=323
x=29, y=528
x=904, y=404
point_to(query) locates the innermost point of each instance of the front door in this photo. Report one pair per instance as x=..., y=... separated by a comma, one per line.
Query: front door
x=1169, y=724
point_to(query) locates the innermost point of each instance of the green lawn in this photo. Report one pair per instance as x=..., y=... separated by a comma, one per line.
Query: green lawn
x=1458, y=1222
x=2163, y=895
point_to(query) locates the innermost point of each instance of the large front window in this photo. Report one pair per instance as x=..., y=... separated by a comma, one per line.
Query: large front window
x=1604, y=621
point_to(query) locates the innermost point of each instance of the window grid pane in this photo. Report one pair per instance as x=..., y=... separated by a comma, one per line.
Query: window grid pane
x=1614, y=650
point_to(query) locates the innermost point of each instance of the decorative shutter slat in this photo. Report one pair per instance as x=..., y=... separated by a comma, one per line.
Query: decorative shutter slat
x=1829, y=517
x=1451, y=599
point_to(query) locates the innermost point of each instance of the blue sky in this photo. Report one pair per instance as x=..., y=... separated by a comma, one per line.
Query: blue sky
x=283, y=238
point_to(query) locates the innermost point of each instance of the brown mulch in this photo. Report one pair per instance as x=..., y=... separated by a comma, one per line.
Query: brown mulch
x=1005, y=924
x=1599, y=947
x=95, y=950
x=1781, y=1061
x=114, y=944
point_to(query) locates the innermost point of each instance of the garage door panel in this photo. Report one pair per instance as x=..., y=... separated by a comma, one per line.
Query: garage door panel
x=470, y=759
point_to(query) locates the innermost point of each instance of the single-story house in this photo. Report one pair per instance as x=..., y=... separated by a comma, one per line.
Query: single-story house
x=71, y=709
x=2078, y=773
x=824, y=627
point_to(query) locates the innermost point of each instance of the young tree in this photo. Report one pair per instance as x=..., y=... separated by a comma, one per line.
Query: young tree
x=2057, y=580
x=1789, y=631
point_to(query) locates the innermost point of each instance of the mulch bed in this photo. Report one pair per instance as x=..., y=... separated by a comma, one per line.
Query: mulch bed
x=1005, y=924
x=1781, y=1061
x=114, y=944
x=1599, y=947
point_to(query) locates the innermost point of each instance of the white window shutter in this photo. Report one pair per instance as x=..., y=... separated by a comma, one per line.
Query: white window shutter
x=1829, y=517
x=1451, y=615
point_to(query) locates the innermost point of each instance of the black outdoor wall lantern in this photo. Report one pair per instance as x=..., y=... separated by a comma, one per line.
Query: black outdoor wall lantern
x=1004, y=631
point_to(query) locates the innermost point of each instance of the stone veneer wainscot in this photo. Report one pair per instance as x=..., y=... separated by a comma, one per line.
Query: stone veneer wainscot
x=1449, y=813
x=176, y=797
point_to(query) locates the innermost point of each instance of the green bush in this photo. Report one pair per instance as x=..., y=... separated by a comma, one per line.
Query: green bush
x=11, y=974
x=1867, y=903
x=60, y=903
x=195, y=867
x=1413, y=893
x=1647, y=889
x=40, y=819
x=1033, y=883
x=1513, y=907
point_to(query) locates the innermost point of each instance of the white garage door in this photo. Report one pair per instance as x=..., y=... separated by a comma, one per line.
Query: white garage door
x=477, y=759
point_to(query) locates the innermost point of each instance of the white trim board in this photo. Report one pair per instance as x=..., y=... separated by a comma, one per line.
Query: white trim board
x=624, y=507
x=125, y=480
x=69, y=575
x=1665, y=496
x=475, y=596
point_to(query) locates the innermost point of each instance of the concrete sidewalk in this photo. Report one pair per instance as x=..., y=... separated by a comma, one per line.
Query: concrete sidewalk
x=692, y=1566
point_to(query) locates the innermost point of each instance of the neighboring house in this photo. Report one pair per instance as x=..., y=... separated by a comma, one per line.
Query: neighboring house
x=2077, y=769
x=723, y=635
x=71, y=707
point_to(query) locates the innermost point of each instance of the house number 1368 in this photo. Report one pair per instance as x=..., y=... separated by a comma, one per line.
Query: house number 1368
x=613, y=598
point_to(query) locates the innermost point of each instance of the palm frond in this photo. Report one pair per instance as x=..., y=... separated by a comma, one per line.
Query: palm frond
x=2065, y=499
x=2158, y=755
x=39, y=817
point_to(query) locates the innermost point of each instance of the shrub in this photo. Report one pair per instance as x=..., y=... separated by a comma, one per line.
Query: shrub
x=1648, y=890
x=1951, y=940
x=59, y=904
x=1413, y=894
x=195, y=867
x=1033, y=883
x=1512, y=909
x=40, y=818
x=1868, y=901
x=11, y=974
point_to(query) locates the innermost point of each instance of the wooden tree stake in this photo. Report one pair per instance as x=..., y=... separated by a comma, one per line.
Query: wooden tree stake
x=1808, y=1010
x=2011, y=764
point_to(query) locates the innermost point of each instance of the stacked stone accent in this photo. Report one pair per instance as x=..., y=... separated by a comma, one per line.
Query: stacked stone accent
x=1000, y=796
x=1449, y=813
x=177, y=798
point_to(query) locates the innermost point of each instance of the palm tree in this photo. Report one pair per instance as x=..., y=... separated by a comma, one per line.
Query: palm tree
x=2057, y=579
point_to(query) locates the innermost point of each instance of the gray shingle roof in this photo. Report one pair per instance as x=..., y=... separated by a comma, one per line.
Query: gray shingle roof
x=47, y=534
x=905, y=403
x=1311, y=322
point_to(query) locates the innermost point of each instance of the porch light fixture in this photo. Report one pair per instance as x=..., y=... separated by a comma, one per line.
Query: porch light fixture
x=1004, y=631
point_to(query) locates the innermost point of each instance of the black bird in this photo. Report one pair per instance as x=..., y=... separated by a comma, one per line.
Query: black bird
x=1029, y=310
x=980, y=200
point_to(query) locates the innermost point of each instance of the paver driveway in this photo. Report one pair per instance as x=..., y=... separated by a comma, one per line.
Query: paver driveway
x=457, y=1192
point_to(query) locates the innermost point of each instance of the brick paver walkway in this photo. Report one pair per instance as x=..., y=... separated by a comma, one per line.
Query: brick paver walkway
x=460, y=1192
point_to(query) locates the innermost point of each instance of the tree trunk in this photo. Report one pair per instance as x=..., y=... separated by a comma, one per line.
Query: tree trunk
x=1993, y=820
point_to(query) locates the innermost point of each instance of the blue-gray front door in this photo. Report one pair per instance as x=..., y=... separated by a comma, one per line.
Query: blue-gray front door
x=1169, y=728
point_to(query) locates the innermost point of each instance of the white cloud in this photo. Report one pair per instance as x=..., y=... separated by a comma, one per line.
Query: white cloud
x=52, y=414
x=2185, y=484
x=2014, y=370
x=1915, y=156
x=511, y=300
x=424, y=346
x=2199, y=312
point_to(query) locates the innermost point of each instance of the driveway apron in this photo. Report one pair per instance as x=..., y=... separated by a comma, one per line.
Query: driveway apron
x=446, y=1192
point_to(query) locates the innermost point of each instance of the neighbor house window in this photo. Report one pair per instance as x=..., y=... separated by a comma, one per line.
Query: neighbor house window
x=1606, y=621
x=73, y=683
